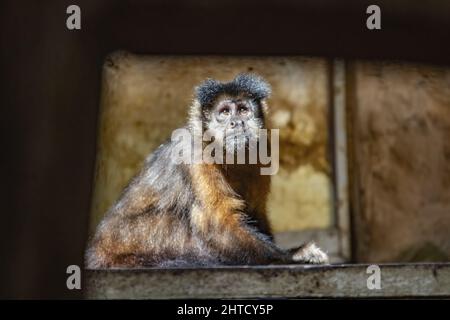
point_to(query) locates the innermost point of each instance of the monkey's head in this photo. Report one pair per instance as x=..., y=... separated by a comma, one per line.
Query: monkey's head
x=232, y=112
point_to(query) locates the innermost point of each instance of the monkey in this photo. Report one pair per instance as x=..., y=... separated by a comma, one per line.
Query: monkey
x=199, y=214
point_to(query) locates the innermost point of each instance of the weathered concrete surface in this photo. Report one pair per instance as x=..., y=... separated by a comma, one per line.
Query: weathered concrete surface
x=401, y=135
x=144, y=98
x=293, y=281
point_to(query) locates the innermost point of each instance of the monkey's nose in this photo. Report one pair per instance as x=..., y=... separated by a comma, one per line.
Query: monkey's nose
x=234, y=123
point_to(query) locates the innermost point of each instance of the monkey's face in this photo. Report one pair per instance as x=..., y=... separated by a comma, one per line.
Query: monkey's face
x=232, y=112
x=235, y=121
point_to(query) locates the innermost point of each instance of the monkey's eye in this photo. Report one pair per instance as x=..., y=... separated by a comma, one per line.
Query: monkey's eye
x=224, y=111
x=243, y=110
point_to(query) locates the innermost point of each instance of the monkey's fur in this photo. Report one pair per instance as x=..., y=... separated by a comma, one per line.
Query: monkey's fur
x=199, y=214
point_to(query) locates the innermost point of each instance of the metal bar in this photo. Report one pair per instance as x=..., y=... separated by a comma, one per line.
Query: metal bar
x=340, y=157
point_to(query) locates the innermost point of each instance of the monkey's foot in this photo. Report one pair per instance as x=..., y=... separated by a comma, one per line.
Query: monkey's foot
x=310, y=253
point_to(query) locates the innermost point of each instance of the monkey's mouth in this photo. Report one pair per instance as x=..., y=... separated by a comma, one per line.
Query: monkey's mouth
x=236, y=141
x=237, y=135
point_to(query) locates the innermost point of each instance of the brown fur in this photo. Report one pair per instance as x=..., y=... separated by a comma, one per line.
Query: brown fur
x=191, y=214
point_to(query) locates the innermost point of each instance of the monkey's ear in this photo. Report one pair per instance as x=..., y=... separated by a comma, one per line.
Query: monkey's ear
x=207, y=91
x=253, y=85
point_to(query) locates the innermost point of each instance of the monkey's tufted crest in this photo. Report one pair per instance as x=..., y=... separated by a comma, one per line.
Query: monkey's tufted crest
x=250, y=85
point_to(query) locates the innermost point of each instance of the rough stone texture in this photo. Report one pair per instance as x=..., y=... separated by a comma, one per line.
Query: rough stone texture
x=401, y=135
x=292, y=281
x=145, y=97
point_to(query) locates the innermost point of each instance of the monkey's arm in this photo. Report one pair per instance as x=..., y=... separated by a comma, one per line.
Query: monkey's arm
x=219, y=220
x=226, y=233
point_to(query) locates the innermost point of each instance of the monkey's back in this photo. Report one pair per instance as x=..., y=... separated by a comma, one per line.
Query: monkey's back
x=150, y=223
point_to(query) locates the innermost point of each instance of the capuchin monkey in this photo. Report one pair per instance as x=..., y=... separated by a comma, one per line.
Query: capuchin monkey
x=199, y=214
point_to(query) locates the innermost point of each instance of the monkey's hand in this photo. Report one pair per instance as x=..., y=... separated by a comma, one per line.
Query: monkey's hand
x=309, y=253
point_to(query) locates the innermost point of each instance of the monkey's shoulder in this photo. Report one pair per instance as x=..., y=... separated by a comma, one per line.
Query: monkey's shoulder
x=168, y=182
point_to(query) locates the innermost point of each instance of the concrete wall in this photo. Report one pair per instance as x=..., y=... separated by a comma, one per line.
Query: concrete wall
x=144, y=98
x=401, y=136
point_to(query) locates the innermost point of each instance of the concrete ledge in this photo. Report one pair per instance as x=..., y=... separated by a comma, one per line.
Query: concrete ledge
x=289, y=281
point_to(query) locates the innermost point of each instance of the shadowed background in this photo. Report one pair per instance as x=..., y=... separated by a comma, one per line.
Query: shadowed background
x=50, y=88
